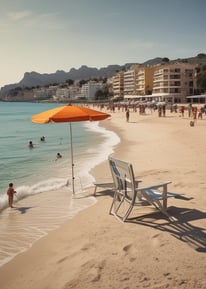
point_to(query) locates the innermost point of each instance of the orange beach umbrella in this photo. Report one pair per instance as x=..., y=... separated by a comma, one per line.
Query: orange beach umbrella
x=69, y=113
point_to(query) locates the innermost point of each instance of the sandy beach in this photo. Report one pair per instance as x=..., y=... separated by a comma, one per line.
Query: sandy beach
x=95, y=250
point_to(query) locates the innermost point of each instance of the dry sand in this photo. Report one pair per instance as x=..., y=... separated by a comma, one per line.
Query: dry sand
x=95, y=250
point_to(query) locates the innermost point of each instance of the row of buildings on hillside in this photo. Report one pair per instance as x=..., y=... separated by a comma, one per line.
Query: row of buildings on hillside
x=86, y=91
x=59, y=92
x=171, y=82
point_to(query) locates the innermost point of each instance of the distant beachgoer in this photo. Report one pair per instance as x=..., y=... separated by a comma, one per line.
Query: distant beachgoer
x=42, y=138
x=175, y=107
x=200, y=112
x=190, y=110
x=182, y=110
x=194, y=112
x=164, y=110
x=30, y=145
x=127, y=114
x=159, y=110
x=10, y=193
x=58, y=156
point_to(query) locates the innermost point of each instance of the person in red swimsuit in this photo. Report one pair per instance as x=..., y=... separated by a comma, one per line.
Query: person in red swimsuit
x=10, y=193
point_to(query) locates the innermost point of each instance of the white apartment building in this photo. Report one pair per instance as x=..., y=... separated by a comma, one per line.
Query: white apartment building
x=129, y=83
x=89, y=89
x=118, y=84
x=74, y=91
x=174, y=82
x=62, y=93
x=45, y=92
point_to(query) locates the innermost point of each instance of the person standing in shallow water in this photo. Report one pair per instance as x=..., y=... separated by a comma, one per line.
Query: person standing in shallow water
x=10, y=193
x=58, y=156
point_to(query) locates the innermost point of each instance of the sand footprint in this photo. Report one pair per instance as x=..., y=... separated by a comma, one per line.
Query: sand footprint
x=127, y=248
x=76, y=253
x=62, y=260
x=87, y=246
x=93, y=270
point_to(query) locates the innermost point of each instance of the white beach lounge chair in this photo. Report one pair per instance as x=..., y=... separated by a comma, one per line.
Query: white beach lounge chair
x=128, y=194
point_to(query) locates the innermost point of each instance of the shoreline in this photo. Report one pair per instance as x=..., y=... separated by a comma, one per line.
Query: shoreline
x=51, y=204
x=95, y=250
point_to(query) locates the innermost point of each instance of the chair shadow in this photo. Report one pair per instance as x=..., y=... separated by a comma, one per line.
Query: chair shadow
x=107, y=192
x=22, y=210
x=182, y=197
x=178, y=225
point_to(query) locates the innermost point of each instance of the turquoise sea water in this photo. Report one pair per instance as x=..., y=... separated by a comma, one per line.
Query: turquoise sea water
x=35, y=170
x=44, y=191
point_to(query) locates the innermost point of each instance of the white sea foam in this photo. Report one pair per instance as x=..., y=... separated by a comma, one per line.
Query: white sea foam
x=40, y=187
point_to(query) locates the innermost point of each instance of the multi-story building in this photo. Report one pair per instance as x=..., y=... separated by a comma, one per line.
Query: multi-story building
x=138, y=81
x=74, y=91
x=62, y=93
x=174, y=82
x=89, y=89
x=118, y=84
x=129, y=83
x=144, y=80
x=45, y=92
x=171, y=82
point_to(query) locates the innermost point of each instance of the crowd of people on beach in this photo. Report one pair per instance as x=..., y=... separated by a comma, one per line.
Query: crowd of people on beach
x=194, y=111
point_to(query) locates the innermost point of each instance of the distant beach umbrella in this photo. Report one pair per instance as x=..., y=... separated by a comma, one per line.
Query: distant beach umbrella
x=69, y=113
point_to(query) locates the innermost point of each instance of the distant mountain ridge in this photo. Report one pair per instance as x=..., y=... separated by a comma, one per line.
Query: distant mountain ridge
x=34, y=79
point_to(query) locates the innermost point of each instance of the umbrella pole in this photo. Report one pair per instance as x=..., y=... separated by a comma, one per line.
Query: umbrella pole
x=72, y=158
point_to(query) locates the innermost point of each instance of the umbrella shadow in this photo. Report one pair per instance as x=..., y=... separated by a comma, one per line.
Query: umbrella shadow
x=178, y=225
x=107, y=192
x=22, y=210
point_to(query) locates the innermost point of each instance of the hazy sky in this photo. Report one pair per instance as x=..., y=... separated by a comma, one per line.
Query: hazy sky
x=49, y=35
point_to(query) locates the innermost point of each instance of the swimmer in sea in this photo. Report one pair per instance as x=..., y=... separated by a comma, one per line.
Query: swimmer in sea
x=30, y=145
